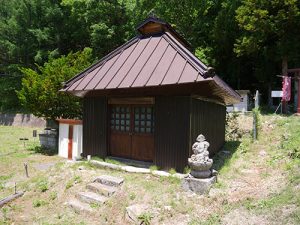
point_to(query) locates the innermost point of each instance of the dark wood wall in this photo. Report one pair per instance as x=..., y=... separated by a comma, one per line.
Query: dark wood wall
x=95, y=126
x=208, y=118
x=171, y=135
x=178, y=121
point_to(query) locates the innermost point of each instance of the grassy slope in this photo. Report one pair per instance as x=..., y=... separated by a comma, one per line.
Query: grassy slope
x=258, y=183
x=262, y=179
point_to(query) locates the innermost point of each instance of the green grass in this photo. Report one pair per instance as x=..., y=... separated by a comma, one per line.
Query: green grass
x=45, y=191
x=153, y=168
x=39, y=202
x=9, y=139
x=42, y=184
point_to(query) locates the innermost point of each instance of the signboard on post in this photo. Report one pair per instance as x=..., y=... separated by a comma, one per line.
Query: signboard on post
x=276, y=94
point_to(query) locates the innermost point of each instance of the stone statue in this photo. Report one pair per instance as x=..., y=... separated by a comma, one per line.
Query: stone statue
x=200, y=163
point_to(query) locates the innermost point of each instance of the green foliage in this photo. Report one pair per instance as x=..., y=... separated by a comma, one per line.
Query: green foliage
x=43, y=150
x=42, y=185
x=153, y=168
x=268, y=24
x=95, y=205
x=186, y=170
x=172, y=171
x=40, y=90
x=69, y=184
x=75, y=180
x=244, y=40
x=145, y=218
x=39, y=202
x=291, y=140
x=53, y=195
x=257, y=121
x=132, y=196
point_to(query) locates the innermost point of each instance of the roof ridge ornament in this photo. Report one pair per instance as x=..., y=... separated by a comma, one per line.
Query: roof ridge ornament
x=210, y=72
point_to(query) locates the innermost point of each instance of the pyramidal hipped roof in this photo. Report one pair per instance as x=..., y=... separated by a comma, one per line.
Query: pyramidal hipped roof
x=159, y=56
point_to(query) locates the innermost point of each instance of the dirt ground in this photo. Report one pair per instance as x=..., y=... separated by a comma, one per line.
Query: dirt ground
x=253, y=188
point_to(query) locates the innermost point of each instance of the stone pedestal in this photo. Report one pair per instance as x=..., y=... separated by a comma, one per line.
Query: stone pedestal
x=198, y=186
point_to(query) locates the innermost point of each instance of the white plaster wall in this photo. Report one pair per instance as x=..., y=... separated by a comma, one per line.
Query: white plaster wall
x=77, y=141
x=63, y=140
x=241, y=106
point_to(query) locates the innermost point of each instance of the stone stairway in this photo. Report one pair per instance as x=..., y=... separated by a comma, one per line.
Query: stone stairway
x=98, y=192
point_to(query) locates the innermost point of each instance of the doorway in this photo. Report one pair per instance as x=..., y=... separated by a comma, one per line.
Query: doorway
x=131, y=131
x=70, y=142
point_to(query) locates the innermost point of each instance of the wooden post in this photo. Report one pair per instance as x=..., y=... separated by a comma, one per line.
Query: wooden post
x=254, y=127
x=284, y=74
x=26, y=169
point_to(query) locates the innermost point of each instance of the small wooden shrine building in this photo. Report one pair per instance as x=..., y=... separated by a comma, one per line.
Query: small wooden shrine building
x=149, y=99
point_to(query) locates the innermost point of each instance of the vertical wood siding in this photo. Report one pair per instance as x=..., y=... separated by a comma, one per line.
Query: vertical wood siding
x=95, y=126
x=208, y=119
x=172, y=129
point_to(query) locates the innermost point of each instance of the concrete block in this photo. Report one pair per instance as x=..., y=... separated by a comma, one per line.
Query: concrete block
x=197, y=185
x=91, y=197
x=79, y=207
x=102, y=189
x=109, y=180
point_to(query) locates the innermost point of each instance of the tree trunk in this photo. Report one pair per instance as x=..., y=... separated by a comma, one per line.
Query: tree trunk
x=270, y=100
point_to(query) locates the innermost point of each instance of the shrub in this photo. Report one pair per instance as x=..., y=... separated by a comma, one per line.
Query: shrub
x=153, y=168
x=42, y=185
x=145, y=218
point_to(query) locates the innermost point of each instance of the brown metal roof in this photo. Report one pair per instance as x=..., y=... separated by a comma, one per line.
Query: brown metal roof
x=147, y=61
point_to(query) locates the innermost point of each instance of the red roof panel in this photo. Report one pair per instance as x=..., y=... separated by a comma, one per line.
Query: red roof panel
x=151, y=64
x=140, y=62
x=85, y=80
x=122, y=73
x=188, y=74
x=162, y=67
x=175, y=70
x=117, y=66
x=101, y=73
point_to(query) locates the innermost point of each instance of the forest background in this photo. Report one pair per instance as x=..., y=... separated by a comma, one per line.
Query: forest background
x=44, y=42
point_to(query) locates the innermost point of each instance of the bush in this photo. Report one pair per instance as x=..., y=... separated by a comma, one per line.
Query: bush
x=44, y=151
x=40, y=89
x=42, y=185
x=145, y=218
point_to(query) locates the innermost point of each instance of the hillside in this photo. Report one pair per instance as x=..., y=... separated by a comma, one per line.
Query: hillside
x=258, y=183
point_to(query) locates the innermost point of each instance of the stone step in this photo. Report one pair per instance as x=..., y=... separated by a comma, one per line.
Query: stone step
x=102, y=189
x=109, y=180
x=79, y=207
x=91, y=197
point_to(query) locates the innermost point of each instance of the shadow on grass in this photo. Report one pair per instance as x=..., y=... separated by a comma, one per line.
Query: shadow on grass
x=223, y=157
x=44, y=151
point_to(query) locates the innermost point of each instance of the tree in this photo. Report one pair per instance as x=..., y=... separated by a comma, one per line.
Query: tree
x=102, y=25
x=40, y=89
x=268, y=35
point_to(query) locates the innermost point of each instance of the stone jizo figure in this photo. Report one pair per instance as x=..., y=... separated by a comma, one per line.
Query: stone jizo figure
x=200, y=163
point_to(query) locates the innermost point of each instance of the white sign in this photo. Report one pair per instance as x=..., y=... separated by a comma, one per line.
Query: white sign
x=276, y=94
